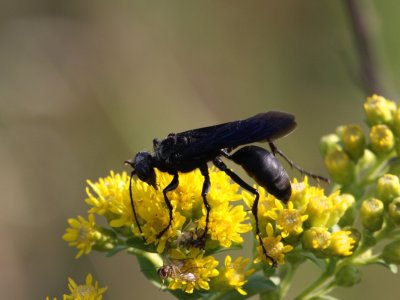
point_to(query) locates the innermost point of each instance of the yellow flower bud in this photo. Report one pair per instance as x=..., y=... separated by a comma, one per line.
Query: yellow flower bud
x=353, y=140
x=328, y=143
x=379, y=110
x=388, y=187
x=372, y=214
x=381, y=138
x=318, y=211
x=396, y=123
x=394, y=210
x=340, y=167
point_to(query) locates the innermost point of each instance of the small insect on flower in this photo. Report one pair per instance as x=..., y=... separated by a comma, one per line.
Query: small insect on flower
x=186, y=151
x=189, y=237
x=188, y=272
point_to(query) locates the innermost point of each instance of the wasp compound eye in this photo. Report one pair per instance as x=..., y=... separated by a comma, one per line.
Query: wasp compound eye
x=144, y=168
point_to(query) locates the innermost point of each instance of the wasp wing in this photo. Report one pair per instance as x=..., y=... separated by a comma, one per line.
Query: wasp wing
x=266, y=126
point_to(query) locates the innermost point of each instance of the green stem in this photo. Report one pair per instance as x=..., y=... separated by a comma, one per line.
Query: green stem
x=309, y=292
x=287, y=279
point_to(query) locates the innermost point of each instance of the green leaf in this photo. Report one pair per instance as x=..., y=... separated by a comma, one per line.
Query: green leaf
x=149, y=263
x=324, y=297
x=179, y=294
x=391, y=267
x=318, y=261
x=116, y=250
x=138, y=243
x=223, y=249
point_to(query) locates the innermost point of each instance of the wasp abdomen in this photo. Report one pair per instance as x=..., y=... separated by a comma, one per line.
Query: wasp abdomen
x=265, y=169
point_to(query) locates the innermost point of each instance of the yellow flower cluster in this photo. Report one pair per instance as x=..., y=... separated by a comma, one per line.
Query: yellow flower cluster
x=309, y=216
x=308, y=212
x=87, y=291
x=109, y=197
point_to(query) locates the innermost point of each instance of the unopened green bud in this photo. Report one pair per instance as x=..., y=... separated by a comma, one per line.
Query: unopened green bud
x=394, y=210
x=391, y=253
x=367, y=161
x=381, y=138
x=328, y=143
x=396, y=123
x=340, y=167
x=379, y=110
x=388, y=187
x=348, y=276
x=372, y=214
x=353, y=140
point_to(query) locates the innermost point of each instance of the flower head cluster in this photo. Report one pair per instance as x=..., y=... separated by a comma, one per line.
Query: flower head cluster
x=88, y=291
x=309, y=211
x=369, y=161
x=189, y=268
x=190, y=273
x=336, y=230
x=82, y=234
x=234, y=274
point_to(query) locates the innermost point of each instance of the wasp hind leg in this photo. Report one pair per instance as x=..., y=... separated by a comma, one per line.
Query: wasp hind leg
x=254, y=209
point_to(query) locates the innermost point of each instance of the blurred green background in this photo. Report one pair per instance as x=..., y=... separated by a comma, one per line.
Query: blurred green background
x=84, y=85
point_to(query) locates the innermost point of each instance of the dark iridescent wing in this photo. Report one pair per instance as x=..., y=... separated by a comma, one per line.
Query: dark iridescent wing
x=261, y=127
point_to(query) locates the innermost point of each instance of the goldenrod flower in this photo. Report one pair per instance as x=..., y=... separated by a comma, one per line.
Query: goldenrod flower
x=234, y=273
x=318, y=210
x=266, y=203
x=111, y=199
x=87, y=291
x=288, y=220
x=274, y=246
x=82, y=234
x=193, y=272
x=381, y=138
x=316, y=239
x=379, y=110
x=342, y=243
x=226, y=224
x=300, y=193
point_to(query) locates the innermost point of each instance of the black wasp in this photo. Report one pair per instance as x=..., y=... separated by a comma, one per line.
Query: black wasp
x=193, y=149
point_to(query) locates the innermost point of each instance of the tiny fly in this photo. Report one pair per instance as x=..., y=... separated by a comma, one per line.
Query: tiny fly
x=193, y=149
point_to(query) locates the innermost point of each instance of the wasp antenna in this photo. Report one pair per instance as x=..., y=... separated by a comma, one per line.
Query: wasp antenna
x=276, y=150
x=133, y=205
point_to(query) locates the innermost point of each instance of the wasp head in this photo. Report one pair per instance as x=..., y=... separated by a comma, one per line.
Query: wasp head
x=143, y=167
